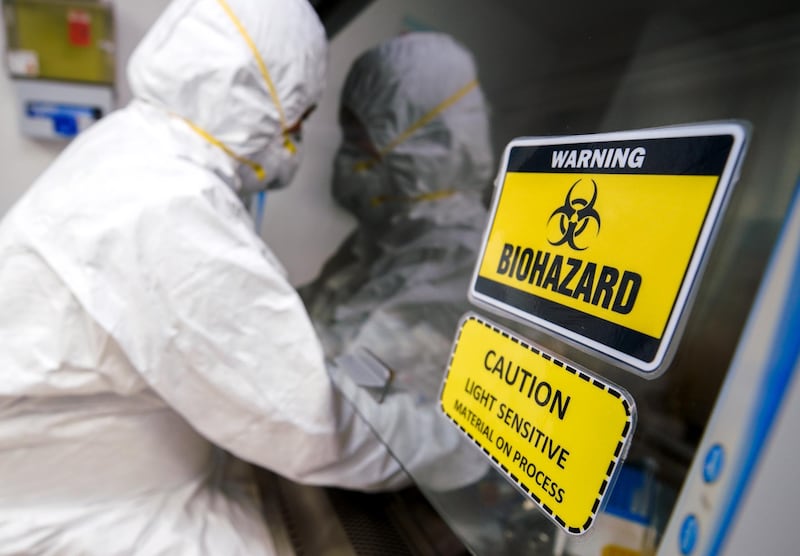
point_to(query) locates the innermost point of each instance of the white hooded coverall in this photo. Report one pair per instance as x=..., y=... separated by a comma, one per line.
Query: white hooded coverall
x=143, y=321
x=397, y=286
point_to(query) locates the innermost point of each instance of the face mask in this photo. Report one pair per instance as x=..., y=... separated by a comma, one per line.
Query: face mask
x=359, y=187
x=279, y=162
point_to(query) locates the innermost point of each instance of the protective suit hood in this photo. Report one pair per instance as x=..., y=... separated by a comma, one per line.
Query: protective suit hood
x=429, y=128
x=239, y=72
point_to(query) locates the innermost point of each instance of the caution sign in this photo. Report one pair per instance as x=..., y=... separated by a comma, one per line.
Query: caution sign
x=600, y=238
x=556, y=432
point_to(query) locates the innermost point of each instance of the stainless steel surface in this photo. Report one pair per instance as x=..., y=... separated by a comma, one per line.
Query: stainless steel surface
x=309, y=520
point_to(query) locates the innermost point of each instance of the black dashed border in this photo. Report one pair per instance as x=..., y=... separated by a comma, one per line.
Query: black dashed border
x=605, y=387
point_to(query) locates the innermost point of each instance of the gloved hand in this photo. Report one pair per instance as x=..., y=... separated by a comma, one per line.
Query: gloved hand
x=431, y=449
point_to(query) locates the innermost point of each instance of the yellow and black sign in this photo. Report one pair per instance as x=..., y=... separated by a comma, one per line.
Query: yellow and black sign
x=558, y=433
x=600, y=238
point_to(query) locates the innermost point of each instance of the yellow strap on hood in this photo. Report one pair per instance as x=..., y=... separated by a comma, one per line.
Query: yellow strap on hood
x=410, y=130
x=256, y=167
x=448, y=102
x=431, y=196
x=262, y=67
x=273, y=93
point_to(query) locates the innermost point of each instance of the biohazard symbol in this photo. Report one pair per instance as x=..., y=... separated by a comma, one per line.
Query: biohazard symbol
x=573, y=219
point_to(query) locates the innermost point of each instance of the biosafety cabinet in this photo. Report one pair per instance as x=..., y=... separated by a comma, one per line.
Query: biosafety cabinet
x=691, y=442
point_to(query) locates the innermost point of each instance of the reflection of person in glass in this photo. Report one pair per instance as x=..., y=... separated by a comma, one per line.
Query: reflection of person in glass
x=414, y=162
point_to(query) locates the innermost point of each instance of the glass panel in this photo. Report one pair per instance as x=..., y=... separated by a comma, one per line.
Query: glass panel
x=616, y=66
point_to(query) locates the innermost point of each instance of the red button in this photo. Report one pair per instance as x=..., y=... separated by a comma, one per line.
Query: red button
x=79, y=25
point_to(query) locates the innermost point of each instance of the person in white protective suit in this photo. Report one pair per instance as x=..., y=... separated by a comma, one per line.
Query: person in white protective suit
x=144, y=325
x=413, y=164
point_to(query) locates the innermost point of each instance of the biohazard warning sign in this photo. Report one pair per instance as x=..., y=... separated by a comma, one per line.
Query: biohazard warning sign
x=601, y=238
x=557, y=433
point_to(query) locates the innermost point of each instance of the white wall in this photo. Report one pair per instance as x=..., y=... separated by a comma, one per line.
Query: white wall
x=21, y=160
